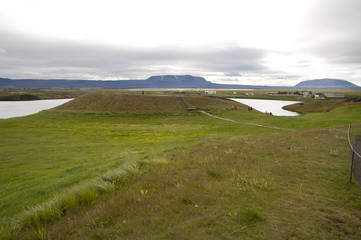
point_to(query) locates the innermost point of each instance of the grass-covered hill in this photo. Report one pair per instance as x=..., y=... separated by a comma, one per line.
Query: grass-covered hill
x=113, y=102
x=314, y=106
x=317, y=106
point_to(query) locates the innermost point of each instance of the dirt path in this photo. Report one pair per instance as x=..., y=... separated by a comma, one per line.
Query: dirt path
x=245, y=123
x=227, y=119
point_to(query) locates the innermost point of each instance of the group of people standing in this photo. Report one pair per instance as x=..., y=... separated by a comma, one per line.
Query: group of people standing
x=268, y=113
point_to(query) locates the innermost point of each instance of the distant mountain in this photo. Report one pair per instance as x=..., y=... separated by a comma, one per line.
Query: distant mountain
x=165, y=81
x=162, y=81
x=326, y=84
x=177, y=81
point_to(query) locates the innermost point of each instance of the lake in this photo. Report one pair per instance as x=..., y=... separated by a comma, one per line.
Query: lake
x=10, y=109
x=273, y=106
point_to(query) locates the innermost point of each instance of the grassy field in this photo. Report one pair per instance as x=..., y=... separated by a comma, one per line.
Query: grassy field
x=280, y=186
x=152, y=150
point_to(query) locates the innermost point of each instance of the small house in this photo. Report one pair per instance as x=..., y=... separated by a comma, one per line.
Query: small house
x=306, y=94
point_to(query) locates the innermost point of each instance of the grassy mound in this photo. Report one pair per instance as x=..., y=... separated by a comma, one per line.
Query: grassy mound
x=315, y=106
x=112, y=102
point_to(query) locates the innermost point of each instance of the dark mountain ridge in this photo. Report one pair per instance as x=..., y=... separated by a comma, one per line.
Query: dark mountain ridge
x=165, y=81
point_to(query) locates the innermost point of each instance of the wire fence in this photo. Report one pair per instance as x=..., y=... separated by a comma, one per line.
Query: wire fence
x=354, y=139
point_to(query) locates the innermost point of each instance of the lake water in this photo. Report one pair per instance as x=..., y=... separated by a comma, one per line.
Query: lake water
x=273, y=106
x=10, y=109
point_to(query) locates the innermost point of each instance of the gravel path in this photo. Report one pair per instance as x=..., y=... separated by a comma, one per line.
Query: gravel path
x=246, y=123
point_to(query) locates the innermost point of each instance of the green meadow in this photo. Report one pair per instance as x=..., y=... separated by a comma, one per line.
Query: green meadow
x=120, y=166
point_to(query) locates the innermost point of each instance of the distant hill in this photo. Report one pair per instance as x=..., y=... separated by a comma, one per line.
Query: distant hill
x=164, y=81
x=326, y=84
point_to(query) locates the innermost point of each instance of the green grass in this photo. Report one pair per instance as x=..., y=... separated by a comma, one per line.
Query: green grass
x=315, y=106
x=63, y=159
x=280, y=186
x=47, y=152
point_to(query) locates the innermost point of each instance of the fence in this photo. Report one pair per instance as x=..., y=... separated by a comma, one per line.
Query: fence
x=355, y=143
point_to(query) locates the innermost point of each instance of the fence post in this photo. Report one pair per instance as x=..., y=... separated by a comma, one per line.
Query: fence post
x=353, y=155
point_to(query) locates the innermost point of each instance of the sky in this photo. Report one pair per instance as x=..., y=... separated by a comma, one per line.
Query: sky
x=258, y=42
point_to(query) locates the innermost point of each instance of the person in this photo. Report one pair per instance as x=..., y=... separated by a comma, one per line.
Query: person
x=270, y=113
x=235, y=107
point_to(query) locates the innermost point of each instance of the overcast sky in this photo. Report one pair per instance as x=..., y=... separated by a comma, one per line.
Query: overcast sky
x=260, y=42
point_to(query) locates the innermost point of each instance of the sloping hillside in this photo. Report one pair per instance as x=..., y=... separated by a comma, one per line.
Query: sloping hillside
x=110, y=102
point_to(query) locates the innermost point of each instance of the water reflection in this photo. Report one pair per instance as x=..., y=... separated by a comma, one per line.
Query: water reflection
x=273, y=106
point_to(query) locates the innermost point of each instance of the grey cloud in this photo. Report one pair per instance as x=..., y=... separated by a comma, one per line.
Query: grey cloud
x=233, y=74
x=26, y=55
x=334, y=32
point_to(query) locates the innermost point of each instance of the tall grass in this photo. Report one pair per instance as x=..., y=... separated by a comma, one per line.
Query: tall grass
x=66, y=200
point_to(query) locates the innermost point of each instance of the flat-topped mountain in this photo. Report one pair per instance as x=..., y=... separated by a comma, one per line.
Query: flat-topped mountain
x=181, y=81
x=326, y=84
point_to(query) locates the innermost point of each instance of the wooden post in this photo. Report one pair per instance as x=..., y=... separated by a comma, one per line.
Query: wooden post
x=353, y=155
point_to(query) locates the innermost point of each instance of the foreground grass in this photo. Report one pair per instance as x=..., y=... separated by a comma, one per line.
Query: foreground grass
x=280, y=186
x=48, y=152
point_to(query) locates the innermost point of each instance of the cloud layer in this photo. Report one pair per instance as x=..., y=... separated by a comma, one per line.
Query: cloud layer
x=29, y=57
x=245, y=42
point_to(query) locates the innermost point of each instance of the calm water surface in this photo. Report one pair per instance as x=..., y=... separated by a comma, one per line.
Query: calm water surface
x=10, y=109
x=273, y=106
